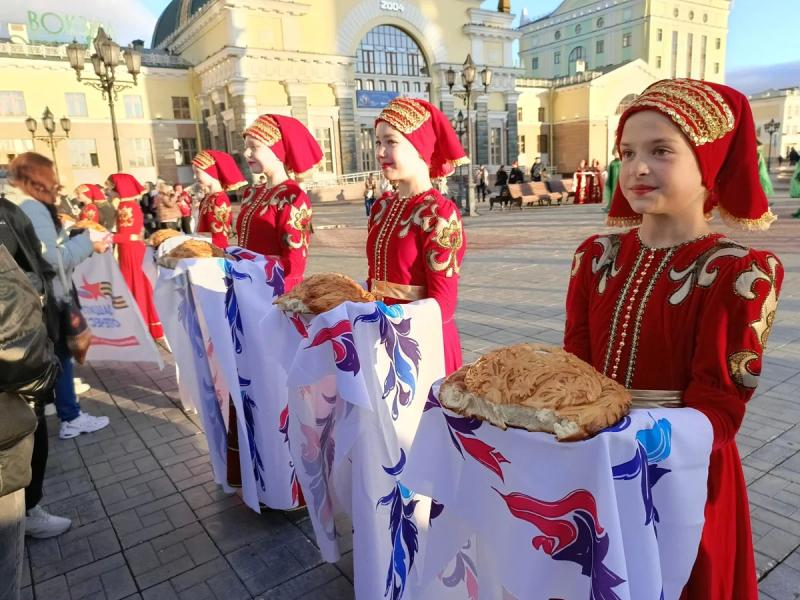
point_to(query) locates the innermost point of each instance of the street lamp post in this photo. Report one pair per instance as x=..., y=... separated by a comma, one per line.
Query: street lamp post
x=468, y=73
x=460, y=127
x=49, y=124
x=105, y=60
x=771, y=128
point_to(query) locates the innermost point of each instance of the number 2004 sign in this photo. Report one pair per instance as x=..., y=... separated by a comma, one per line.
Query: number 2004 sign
x=393, y=6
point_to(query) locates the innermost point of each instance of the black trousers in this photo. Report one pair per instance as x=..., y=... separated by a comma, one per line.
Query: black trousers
x=33, y=493
x=186, y=225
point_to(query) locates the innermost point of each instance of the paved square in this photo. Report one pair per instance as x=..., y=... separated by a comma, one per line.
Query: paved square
x=149, y=523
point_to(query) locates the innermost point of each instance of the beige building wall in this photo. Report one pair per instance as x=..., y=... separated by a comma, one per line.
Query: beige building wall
x=148, y=127
x=782, y=106
x=582, y=116
x=678, y=38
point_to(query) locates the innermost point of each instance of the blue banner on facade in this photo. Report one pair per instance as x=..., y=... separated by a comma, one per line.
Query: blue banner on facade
x=373, y=99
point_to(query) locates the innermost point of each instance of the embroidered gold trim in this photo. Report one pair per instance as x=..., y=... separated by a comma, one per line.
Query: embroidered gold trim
x=203, y=160
x=404, y=114
x=702, y=113
x=612, y=336
x=235, y=186
x=464, y=160
x=640, y=315
x=389, y=289
x=739, y=371
x=762, y=223
x=125, y=216
x=264, y=128
x=623, y=221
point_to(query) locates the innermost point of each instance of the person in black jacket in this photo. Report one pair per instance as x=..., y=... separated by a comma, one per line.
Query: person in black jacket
x=19, y=238
x=516, y=175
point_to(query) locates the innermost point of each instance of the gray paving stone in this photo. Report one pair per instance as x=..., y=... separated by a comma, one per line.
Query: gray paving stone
x=304, y=584
x=782, y=583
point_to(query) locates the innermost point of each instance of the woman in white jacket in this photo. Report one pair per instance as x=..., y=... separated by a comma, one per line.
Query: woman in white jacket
x=33, y=175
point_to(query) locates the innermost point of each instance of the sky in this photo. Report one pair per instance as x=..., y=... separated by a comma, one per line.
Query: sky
x=761, y=33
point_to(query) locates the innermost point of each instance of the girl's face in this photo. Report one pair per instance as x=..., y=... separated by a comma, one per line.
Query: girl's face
x=397, y=157
x=659, y=174
x=204, y=179
x=260, y=157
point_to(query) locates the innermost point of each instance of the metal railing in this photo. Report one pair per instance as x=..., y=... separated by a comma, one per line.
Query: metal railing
x=321, y=180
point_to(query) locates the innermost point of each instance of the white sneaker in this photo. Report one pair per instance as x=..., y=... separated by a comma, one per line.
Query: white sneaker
x=50, y=409
x=83, y=423
x=41, y=524
x=79, y=386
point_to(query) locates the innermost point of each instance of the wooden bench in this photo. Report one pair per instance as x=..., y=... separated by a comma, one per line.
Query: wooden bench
x=504, y=198
x=530, y=194
x=545, y=195
x=563, y=187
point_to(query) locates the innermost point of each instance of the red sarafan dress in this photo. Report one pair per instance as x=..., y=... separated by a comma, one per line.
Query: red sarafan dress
x=130, y=254
x=415, y=247
x=215, y=218
x=276, y=221
x=693, y=318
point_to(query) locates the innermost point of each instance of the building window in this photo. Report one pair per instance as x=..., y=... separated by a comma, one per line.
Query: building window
x=705, y=17
x=382, y=85
x=577, y=29
x=180, y=107
x=388, y=50
x=535, y=63
x=626, y=40
x=9, y=149
x=557, y=57
x=76, y=104
x=599, y=46
x=83, y=154
x=675, y=13
x=367, y=147
x=324, y=138
x=417, y=87
x=627, y=14
x=659, y=35
x=703, y=44
x=600, y=22
x=543, y=143
x=522, y=144
x=691, y=15
x=519, y=114
x=541, y=115
x=185, y=149
x=718, y=43
x=406, y=87
x=133, y=107
x=495, y=145
x=716, y=68
x=658, y=62
x=358, y=84
x=367, y=61
x=12, y=104
x=674, y=54
x=139, y=152
x=394, y=86
x=391, y=63
x=369, y=85
x=557, y=35
x=689, y=49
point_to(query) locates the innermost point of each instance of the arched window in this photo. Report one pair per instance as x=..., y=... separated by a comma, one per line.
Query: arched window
x=388, y=50
x=625, y=103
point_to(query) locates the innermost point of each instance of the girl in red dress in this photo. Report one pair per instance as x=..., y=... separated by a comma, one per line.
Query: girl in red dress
x=218, y=174
x=416, y=243
x=130, y=247
x=276, y=215
x=94, y=205
x=672, y=306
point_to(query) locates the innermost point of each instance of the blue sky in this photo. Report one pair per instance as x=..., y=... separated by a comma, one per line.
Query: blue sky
x=758, y=36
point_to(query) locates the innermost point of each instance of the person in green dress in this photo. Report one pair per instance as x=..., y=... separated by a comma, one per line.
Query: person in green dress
x=611, y=180
x=794, y=188
x=763, y=174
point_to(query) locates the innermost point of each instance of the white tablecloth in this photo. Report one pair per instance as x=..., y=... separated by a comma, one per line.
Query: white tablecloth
x=616, y=516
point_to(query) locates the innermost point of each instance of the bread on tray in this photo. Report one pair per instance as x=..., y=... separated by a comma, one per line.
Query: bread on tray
x=320, y=293
x=538, y=388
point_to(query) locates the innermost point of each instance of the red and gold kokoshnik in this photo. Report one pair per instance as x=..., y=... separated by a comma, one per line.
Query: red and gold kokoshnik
x=264, y=128
x=698, y=109
x=203, y=160
x=404, y=115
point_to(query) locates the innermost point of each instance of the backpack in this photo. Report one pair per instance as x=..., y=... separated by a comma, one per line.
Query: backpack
x=28, y=365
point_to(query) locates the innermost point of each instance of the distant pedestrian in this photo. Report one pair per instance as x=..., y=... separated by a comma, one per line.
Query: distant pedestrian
x=370, y=191
x=516, y=175
x=483, y=181
x=501, y=178
x=536, y=169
